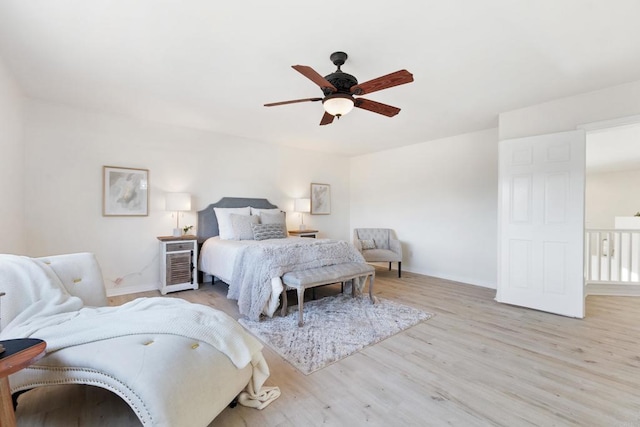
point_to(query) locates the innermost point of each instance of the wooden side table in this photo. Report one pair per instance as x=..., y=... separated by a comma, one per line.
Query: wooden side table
x=17, y=355
x=304, y=233
x=178, y=260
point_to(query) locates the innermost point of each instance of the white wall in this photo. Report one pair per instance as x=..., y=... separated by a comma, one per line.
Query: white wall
x=440, y=196
x=611, y=194
x=66, y=149
x=11, y=165
x=441, y=199
x=570, y=112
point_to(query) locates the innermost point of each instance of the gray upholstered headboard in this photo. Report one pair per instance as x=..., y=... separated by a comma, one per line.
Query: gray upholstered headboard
x=207, y=222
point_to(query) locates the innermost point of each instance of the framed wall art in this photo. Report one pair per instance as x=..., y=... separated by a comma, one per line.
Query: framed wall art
x=320, y=199
x=125, y=191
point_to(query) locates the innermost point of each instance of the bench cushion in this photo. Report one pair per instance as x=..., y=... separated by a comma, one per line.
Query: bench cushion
x=327, y=274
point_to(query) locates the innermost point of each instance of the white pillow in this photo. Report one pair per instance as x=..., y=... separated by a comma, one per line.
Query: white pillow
x=273, y=218
x=256, y=211
x=225, y=228
x=242, y=226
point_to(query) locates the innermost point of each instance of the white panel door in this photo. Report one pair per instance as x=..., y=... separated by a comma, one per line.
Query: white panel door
x=541, y=223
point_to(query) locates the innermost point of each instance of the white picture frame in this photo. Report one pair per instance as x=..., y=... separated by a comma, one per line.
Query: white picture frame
x=125, y=191
x=320, y=199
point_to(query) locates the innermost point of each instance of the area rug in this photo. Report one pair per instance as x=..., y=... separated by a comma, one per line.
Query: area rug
x=334, y=328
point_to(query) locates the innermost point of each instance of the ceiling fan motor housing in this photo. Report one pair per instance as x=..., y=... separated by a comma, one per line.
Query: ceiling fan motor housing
x=341, y=81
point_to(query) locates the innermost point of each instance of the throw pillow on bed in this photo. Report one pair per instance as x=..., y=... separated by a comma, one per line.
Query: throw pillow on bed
x=268, y=231
x=368, y=244
x=225, y=228
x=241, y=225
x=272, y=218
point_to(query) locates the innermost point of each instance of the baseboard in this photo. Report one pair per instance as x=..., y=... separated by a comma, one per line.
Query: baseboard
x=126, y=290
x=459, y=279
x=610, y=289
x=469, y=281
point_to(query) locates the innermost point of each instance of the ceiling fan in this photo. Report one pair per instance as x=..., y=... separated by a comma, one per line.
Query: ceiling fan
x=339, y=89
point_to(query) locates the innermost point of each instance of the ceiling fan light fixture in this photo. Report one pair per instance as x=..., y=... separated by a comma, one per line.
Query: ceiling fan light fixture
x=338, y=104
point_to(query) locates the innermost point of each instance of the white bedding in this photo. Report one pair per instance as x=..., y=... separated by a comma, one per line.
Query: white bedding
x=218, y=256
x=253, y=269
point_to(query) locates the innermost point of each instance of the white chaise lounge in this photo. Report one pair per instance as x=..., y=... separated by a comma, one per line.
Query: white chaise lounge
x=170, y=376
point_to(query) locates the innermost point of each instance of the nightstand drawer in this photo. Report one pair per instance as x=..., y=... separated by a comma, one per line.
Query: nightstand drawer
x=180, y=246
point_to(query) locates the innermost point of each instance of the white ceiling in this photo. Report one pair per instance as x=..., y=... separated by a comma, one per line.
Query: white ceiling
x=211, y=64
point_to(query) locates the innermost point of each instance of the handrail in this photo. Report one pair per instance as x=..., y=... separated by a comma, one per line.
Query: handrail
x=612, y=256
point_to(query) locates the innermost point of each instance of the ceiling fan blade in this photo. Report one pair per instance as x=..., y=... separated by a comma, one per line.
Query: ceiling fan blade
x=326, y=119
x=293, y=101
x=313, y=75
x=377, y=107
x=390, y=80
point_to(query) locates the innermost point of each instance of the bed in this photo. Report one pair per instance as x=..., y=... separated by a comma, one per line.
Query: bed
x=253, y=268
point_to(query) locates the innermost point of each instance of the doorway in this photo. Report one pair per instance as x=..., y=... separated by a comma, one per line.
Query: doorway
x=612, y=201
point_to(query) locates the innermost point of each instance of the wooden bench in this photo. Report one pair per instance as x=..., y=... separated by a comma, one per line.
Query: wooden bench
x=337, y=273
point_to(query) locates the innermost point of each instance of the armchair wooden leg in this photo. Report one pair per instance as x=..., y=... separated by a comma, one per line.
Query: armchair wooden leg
x=389, y=266
x=399, y=269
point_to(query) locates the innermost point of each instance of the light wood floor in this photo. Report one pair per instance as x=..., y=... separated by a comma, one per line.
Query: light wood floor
x=475, y=363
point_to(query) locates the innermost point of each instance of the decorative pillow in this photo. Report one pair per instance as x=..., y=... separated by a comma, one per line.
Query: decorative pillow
x=272, y=218
x=256, y=211
x=368, y=244
x=241, y=225
x=225, y=229
x=268, y=231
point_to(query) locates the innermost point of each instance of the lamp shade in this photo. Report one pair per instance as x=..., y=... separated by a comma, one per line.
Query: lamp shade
x=178, y=202
x=338, y=104
x=302, y=205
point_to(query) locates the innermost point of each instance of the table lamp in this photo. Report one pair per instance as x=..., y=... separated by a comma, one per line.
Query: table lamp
x=302, y=206
x=178, y=202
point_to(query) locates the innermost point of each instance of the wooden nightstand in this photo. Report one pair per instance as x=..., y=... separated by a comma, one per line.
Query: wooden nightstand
x=178, y=259
x=304, y=233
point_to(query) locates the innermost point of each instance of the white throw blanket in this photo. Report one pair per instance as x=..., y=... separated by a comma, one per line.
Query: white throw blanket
x=258, y=268
x=48, y=312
